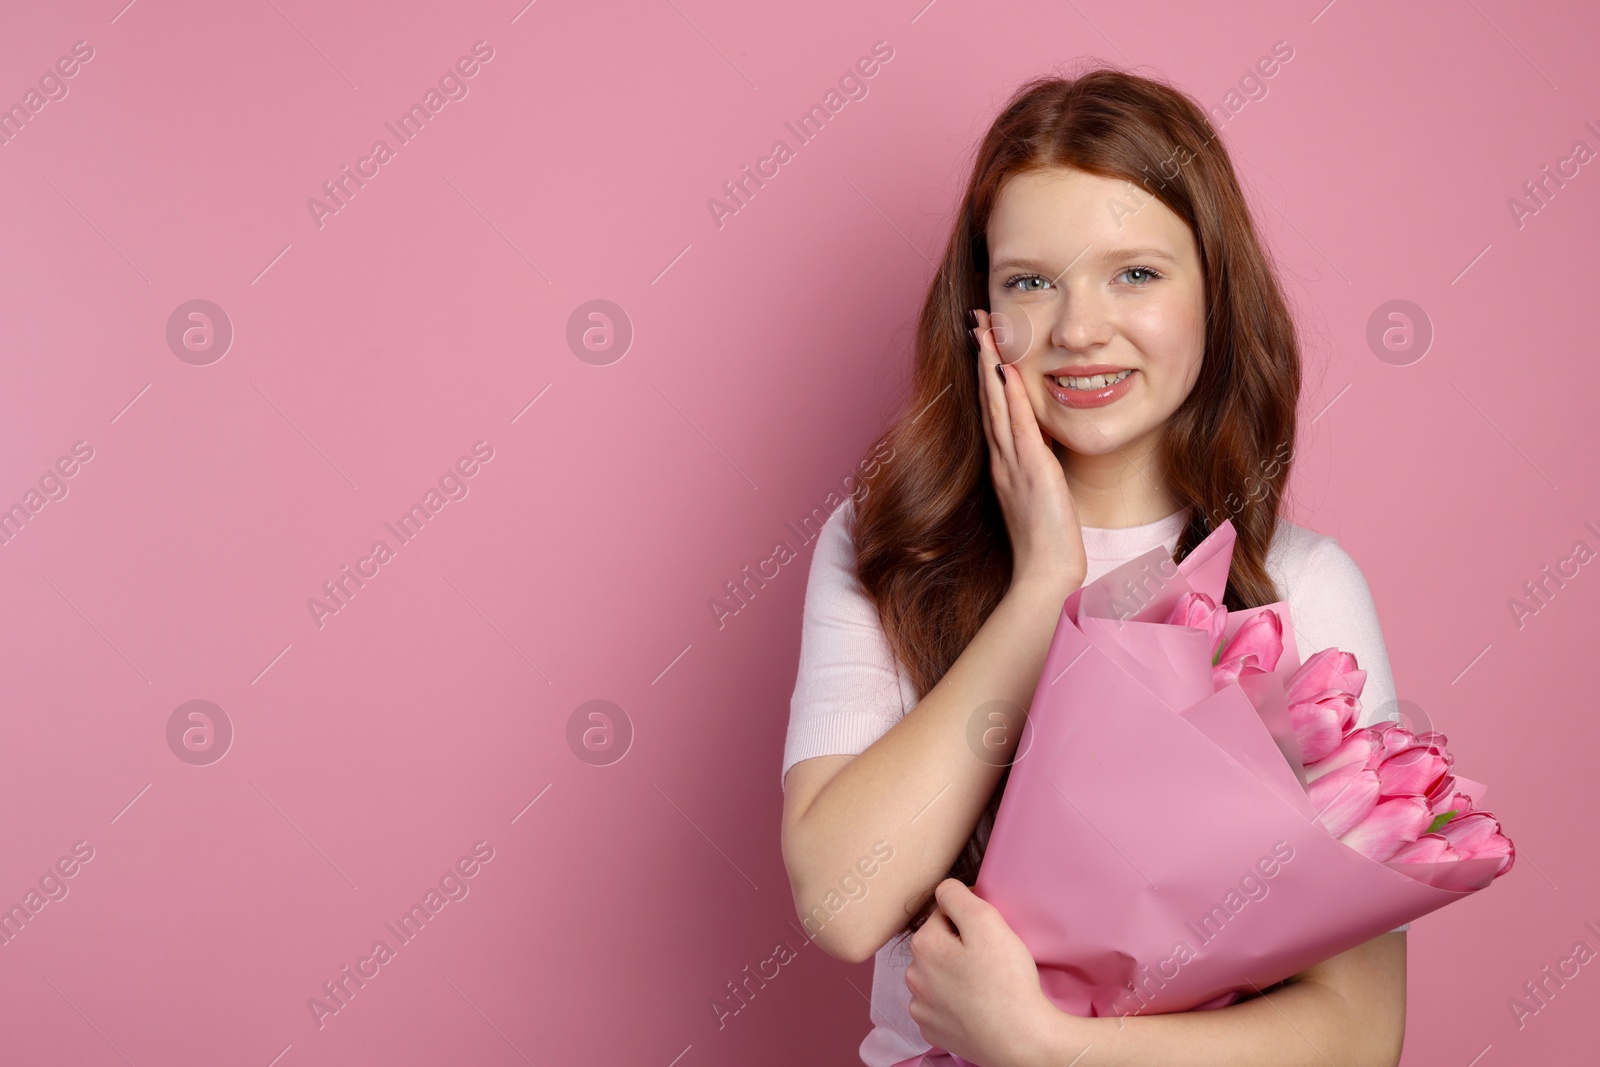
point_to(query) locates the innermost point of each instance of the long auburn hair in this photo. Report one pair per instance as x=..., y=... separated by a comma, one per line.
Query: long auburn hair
x=932, y=550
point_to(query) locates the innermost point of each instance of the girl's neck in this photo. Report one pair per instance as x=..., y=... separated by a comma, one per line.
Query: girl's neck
x=1121, y=488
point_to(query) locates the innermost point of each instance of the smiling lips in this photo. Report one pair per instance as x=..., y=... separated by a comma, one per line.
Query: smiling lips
x=1091, y=386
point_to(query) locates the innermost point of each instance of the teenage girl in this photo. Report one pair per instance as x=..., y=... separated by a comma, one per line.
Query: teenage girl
x=1104, y=363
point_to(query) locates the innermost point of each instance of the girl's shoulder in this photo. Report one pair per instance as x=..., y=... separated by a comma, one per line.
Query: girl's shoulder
x=1331, y=606
x=1301, y=557
x=1294, y=545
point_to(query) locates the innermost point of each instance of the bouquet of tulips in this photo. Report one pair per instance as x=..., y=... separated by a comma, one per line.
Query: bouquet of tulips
x=1192, y=814
x=1386, y=792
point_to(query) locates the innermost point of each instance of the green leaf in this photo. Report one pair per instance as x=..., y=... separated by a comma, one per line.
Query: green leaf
x=1433, y=827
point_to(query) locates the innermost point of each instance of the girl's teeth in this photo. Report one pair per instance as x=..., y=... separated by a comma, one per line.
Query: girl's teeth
x=1098, y=381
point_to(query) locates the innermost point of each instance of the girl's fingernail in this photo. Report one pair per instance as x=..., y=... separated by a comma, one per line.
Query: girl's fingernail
x=1000, y=370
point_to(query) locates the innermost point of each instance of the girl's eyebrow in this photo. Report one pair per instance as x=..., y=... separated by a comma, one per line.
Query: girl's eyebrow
x=1143, y=252
x=1105, y=255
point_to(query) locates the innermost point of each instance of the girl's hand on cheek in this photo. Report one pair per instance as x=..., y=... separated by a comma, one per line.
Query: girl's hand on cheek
x=1041, y=519
x=974, y=987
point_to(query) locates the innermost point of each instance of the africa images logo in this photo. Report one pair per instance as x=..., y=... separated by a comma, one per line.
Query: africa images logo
x=852, y=85
x=452, y=86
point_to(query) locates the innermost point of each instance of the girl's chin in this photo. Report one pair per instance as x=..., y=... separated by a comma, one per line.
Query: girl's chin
x=1084, y=444
x=1102, y=450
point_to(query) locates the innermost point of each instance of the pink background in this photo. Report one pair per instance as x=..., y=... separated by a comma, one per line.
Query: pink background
x=432, y=310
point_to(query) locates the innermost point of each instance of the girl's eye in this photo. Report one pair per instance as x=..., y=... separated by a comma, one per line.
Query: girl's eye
x=1150, y=274
x=1011, y=282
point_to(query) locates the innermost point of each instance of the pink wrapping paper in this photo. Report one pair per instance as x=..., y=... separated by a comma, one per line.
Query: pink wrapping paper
x=1154, y=848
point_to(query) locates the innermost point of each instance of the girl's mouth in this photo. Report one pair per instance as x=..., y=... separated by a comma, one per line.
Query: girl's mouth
x=1090, y=391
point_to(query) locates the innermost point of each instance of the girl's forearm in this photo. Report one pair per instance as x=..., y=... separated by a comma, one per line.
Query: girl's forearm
x=1299, y=1024
x=920, y=787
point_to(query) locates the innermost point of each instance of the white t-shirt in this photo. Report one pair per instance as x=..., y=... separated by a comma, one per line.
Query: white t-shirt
x=850, y=690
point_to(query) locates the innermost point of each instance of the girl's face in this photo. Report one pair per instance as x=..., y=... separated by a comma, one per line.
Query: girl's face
x=1098, y=301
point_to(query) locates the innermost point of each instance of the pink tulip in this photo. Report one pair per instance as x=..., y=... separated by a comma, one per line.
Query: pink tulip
x=1322, y=723
x=1414, y=772
x=1317, y=728
x=1255, y=649
x=1392, y=737
x=1445, y=795
x=1393, y=823
x=1451, y=799
x=1429, y=848
x=1344, y=797
x=1478, y=834
x=1199, y=611
x=1396, y=738
x=1324, y=705
x=1360, y=747
x=1325, y=670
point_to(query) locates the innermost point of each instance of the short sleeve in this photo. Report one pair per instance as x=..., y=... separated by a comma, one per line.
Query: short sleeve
x=1332, y=607
x=849, y=689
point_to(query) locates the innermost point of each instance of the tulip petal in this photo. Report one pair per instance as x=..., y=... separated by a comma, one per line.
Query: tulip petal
x=1325, y=670
x=1392, y=738
x=1478, y=834
x=1392, y=824
x=1192, y=609
x=1329, y=716
x=1359, y=747
x=1413, y=772
x=1318, y=727
x=1452, y=800
x=1429, y=848
x=1199, y=611
x=1343, y=798
x=1261, y=636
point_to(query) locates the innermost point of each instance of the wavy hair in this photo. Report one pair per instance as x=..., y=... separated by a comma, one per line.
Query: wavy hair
x=932, y=550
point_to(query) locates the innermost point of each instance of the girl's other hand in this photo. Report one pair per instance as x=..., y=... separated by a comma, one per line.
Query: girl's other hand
x=974, y=987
